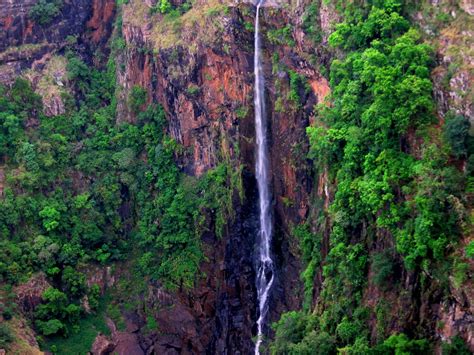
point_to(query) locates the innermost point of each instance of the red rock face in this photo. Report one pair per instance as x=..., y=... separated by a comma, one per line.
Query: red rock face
x=100, y=23
x=24, y=42
x=17, y=28
x=208, y=97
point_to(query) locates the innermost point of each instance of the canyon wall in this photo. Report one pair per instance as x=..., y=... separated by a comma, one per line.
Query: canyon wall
x=199, y=68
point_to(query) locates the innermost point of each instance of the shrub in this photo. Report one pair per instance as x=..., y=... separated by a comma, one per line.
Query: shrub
x=193, y=90
x=281, y=36
x=315, y=343
x=383, y=267
x=137, y=99
x=44, y=11
x=241, y=111
x=165, y=6
x=51, y=327
x=457, y=346
x=311, y=22
x=6, y=336
x=400, y=344
x=460, y=270
x=74, y=282
x=94, y=296
x=470, y=250
x=298, y=84
x=290, y=329
x=456, y=133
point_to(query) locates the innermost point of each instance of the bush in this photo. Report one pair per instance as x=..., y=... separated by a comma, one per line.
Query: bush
x=289, y=330
x=456, y=133
x=460, y=271
x=165, y=6
x=383, y=267
x=6, y=336
x=44, y=11
x=7, y=312
x=137, y=99
x=193, y=90
x=311, y=22
x=281, y=36
x=457, y=346
x=51, y=327
x=400, y=344
x=470, y=250
x=74, y=282
x=315, y=343
x=94, y=296
x=347, y=331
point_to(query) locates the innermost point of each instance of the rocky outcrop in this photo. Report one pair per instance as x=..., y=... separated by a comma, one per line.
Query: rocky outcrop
x=120, y=342
x=102, y=345
x=100, y=24
x=101, y=276
x=25, y=44
x=453, y=76
x=29, y=294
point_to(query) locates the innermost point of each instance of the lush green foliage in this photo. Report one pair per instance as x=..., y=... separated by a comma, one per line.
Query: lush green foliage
x=311, y=245
x=383, y=267
x=81, y=189
x=165, y=7
x=392, y=183
x=81, y=336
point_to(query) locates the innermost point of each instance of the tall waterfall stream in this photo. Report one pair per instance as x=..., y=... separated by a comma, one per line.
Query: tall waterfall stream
x=265, y=268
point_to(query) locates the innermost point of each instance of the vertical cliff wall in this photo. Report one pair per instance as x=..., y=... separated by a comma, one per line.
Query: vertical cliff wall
x=200, y=69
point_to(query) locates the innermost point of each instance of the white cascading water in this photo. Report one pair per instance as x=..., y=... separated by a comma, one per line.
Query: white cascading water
x=265, y=262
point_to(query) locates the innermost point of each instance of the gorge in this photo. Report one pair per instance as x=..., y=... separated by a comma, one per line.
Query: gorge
x=235, y=177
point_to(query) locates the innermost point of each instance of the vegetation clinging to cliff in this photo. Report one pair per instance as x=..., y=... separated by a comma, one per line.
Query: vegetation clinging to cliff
x=386, y=186
x=82, y=189
x=44, y=11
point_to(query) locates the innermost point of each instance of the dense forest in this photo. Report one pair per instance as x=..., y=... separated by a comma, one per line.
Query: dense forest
x=129, y=210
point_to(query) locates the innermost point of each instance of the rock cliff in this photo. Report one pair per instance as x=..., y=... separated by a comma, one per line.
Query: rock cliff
x=199, y=67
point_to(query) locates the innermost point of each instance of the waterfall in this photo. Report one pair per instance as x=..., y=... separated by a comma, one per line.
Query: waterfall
x=265, y=270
